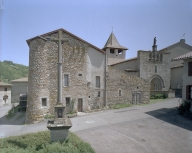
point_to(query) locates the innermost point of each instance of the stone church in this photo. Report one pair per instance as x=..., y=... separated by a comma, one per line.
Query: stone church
x=92, y=78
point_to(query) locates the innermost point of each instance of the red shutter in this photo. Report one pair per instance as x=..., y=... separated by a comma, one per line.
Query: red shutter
x=190, y=69
x=187, y=92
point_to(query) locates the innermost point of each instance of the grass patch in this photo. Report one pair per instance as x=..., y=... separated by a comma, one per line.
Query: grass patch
x=118, y=106
x=49, y=116
x=39, y=142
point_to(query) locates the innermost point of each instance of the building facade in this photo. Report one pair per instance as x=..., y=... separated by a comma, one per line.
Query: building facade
x=5, y=93
x=19, y=88
x=186, y=75
x=89, y=82
x=175, y=51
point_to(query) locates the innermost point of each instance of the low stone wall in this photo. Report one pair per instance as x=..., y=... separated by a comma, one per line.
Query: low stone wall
x=121, y=87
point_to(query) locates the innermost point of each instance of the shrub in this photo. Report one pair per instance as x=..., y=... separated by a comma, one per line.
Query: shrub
x=184, y=108
x=39, y=142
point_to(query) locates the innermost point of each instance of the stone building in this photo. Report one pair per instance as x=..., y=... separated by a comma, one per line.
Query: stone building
x=175, y=51
x=152, y=65
x=186, y=75
x=19, y=88
x=89, y=81
x=5, y=93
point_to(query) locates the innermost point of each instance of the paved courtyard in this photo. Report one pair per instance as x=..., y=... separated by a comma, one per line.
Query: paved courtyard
x=154, y=128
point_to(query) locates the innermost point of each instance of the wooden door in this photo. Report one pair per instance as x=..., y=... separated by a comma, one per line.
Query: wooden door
x=80, y=105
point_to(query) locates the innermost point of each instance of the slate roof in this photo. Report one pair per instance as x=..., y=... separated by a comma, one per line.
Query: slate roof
x=55, y=31
x=184, y=56
x=4, y=84
x=113, y=43
x=20, y=80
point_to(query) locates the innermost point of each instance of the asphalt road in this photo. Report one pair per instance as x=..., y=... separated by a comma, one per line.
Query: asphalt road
x=155, y=128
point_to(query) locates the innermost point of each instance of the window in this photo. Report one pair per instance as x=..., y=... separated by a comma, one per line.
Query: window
x=98, y=93
x=98, y=81
x=66, y=80
x=44, y=102
x=67, y=99
x=155, y=68
x=5, y=89
x=190, y=69
x=189, y=92
x=80, y=74
x=119, y=92
x=112, y=51
x=120, y=51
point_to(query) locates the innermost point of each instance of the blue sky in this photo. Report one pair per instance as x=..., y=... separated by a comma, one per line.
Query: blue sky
x=135, y=22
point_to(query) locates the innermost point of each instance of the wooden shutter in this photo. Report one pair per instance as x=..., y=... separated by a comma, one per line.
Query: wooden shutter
x=190, y=69
x=187, y=92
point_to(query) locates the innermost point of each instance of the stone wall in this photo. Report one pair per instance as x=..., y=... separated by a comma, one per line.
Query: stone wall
x=147, y=68
x=128, y=64
x=128, y=84
x=81, y=63
x=17, y=89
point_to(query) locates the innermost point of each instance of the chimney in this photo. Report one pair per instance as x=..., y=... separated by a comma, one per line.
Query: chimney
x=182, y=40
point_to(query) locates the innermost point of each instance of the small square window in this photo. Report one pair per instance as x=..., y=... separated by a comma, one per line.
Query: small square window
x=66, y=80
x=120, y=52
x=5, y=89
x=44, y=102
x=98, y=81
x=99, y=94
x=67, y=101
x=119, y=92
x=80, y=74
x=155, y=68
x=112, y=51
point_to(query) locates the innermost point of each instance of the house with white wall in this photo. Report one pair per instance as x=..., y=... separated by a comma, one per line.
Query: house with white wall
x=5, y=93
x=187, y=75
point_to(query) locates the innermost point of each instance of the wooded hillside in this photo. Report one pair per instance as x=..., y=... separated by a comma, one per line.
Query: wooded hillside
x=11, y=71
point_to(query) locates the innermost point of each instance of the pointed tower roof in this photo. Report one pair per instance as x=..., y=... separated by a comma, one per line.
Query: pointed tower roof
x=113, y=43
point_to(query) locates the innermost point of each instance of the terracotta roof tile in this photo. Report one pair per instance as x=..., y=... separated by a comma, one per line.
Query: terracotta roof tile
x=184, y=56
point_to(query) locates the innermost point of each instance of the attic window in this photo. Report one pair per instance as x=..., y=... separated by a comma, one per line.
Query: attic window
x=112, y=51
x=120, y=51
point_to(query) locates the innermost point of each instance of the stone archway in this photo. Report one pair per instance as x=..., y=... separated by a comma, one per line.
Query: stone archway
x=156, y=83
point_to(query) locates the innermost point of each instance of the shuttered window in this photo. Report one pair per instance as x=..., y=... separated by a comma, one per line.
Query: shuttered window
x=190, y=69
x=189, y=92
x=66, y=80
x=98, y=81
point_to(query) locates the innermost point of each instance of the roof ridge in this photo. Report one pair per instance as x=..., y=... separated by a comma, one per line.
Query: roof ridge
x=42, y=36
x=134, y=58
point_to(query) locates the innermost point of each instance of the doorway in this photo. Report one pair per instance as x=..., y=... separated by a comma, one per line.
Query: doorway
x=136, y=98
x=80, y=104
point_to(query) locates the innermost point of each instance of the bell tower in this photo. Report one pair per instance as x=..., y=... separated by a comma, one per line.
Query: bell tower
x=114, y=51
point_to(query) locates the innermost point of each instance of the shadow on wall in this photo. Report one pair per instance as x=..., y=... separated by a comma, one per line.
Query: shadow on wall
x=170, y=115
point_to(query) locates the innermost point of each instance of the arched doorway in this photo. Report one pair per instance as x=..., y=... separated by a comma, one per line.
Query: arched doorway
x=156, y=83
